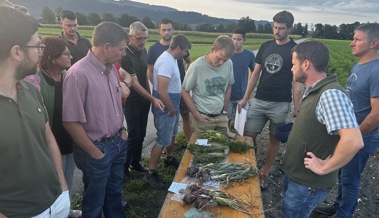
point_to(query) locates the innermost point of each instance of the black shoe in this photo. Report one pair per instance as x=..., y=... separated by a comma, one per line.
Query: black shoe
x=173, y=162
x=327, y=209
x=127, y=177
x=139, y=168
x=154, y=181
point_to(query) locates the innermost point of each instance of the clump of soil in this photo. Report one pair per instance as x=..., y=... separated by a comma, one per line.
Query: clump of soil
x=368, y=202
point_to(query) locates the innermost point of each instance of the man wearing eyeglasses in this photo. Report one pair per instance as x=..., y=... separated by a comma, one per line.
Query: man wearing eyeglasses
x=138, y=103
x=77, y=44
x=32, y=183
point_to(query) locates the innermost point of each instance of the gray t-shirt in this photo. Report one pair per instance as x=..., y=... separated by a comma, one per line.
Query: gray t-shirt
x=208, y=84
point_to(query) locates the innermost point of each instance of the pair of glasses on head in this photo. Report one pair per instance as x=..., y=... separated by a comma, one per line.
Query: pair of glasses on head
x=140, y=39
x=40, y=47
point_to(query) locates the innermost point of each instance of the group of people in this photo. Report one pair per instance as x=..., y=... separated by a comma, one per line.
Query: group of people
x=60, y=119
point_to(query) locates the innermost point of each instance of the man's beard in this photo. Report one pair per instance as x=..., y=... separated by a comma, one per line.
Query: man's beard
x=25, y=69
x=301, y=77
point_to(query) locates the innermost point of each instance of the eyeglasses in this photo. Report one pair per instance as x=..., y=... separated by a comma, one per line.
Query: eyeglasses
x=68, y=53
x=140, y=39
x=40, y=47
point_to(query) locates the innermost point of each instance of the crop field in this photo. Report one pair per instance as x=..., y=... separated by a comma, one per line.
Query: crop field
x=340, y=62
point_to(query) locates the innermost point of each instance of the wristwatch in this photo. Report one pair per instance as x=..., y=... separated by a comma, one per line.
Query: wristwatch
x=224, y=112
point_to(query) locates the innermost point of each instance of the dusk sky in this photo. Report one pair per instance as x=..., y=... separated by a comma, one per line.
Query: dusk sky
x=334, y=12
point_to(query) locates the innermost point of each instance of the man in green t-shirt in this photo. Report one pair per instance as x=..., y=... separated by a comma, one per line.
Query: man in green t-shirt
x=32, y=181
x=210, y=78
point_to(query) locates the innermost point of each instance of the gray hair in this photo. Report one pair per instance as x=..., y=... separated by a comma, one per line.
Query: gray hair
x=371, y=30
x=134, y=27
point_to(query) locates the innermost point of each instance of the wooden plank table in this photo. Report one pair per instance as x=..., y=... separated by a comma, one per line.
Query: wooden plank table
x=249, y=191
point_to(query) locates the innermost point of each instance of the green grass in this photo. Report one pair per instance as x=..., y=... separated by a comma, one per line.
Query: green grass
x=201, y=41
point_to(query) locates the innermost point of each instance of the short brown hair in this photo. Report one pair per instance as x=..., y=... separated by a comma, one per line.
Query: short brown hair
x=54, y=48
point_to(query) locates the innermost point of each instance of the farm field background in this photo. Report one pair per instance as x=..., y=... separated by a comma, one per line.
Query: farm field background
x=340, y=63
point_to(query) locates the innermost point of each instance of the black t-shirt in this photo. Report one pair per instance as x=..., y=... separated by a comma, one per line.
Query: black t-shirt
x=275, y=83
x=135, y=63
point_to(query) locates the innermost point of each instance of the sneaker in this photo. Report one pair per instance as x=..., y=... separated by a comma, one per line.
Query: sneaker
x=75, y=214
x=153, y=180
x=326, y=209
x=173, y=162
x=127, y=177
x=138, y=168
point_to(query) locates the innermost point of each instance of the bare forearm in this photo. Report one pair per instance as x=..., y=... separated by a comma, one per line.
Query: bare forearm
x=253, y=79
x=296, y=95
x=188, y=100
x=81, y=138
x=350, y=143
x=369, y=123
x=227, y=97
x=56, y=156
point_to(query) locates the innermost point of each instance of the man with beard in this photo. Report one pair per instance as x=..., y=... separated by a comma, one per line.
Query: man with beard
x=77, y=44
x=324, y=137
x=272, y=101
x=166, y=31
x=32, y=181
x=362, y=87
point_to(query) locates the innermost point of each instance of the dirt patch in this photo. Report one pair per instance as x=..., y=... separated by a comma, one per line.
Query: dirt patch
x=368, y=202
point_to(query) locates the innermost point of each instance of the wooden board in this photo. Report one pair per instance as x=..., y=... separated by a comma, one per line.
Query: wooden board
x=249, y=191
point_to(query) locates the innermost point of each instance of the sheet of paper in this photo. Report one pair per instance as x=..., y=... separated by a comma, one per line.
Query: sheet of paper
x=175, y=187
x=240, y=120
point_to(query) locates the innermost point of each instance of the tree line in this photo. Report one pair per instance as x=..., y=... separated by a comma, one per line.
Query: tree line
x=343, y=31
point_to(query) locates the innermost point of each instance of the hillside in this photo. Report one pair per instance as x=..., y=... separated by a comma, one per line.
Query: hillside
x=118, y=8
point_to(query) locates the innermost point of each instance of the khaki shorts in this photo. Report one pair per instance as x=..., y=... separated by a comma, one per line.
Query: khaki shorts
x=219, y=123
x=262, y=111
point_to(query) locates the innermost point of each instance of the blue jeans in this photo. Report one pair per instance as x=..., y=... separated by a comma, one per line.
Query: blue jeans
x=300, y=200
x=349, y=176
x=102, y=179
x=167, y=128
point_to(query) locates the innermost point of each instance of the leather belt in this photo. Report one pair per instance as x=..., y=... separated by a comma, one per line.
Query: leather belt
x=112, y=137
x=210, y=115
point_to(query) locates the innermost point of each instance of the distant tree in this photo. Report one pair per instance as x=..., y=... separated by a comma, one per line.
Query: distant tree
x=126, y=20
x=230, y=27
x=94, y=19
x=82, y=18
x=58, y=12
x=305, y=31
x=260, y=28
x=319, y=31
x=247, y=24
x=330, y=32
x=108, y=17
x=297, y=29
x=205, y=27
x=267, y=28
x=181, y=26
x=220, y=28
x=346, y=31
x=148, y=23
x=47, y=16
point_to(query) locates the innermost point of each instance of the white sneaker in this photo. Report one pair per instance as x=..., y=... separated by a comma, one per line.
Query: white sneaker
x=75, y=214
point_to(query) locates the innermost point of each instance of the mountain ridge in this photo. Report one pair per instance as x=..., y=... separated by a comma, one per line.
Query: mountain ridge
x=117, y=8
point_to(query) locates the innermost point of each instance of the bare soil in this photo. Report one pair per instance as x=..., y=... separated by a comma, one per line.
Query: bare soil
x=368, y=202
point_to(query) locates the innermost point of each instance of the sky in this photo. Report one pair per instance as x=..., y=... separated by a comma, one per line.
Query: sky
x=333, y=12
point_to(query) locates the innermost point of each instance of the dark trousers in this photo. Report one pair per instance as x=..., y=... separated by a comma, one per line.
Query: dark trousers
x=136, y=115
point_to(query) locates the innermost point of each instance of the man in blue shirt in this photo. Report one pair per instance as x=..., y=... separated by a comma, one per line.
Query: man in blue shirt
x=363, y=89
